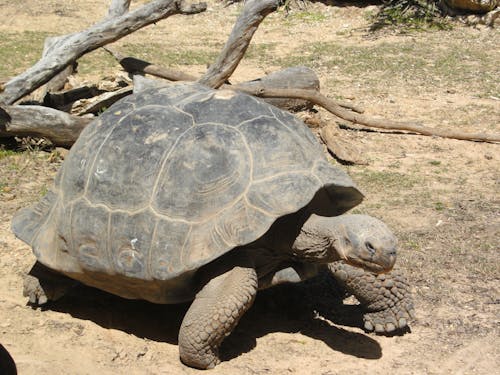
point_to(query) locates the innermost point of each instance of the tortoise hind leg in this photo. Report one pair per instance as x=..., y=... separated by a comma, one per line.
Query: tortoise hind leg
x=42, y=285
x=213, y=314
x=385, y=297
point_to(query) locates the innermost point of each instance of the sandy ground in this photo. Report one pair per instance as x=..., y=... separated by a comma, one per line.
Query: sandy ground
x=439, y=195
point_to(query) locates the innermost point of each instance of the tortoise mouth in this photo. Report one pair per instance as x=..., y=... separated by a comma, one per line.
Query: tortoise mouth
x=371, y=266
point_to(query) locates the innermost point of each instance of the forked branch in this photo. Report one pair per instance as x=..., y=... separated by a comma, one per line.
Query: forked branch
x=247, y=23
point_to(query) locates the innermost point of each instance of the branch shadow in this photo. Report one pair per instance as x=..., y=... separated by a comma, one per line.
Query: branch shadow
x=290, y=308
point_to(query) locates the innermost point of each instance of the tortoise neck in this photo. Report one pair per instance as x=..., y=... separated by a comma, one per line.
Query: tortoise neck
x=317, y=240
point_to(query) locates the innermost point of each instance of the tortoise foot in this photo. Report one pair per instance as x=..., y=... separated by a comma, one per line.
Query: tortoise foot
x=386, y=298
x=391, y=319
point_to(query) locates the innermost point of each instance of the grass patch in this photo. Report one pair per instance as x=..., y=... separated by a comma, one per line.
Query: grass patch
x=378, y=180
x=158, y=53
x=262, y=52
x=19, y=51
x=6, y=153
x=415, y=62
x=301, y=17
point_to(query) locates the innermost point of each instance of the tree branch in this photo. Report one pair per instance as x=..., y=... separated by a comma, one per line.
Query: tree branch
x=118, y=8
x=254, y=12
x=69, y=48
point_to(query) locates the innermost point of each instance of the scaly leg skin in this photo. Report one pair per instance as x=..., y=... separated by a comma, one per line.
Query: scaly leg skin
x=386, y=297
x=42, y=285
x=213, y=314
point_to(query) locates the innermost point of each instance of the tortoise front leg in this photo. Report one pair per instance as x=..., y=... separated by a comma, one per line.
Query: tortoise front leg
x=386, y=297
x=213, y=314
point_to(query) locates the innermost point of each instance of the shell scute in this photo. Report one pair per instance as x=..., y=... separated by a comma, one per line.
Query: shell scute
x=207, y=171
x=146, y=135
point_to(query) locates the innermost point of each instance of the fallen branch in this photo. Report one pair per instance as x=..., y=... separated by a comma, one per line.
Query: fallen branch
x=328, y=104
x=254, y=12
x=346, y=111
x=29, y=120
x=70, y=47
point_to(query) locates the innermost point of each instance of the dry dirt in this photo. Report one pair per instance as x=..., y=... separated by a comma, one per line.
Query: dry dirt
x=441, y=196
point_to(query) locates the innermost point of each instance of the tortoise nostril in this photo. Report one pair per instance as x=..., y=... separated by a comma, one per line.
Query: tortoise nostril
x=370, y=247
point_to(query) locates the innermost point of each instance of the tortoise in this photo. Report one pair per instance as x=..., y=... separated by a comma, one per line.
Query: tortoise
x=184, y=193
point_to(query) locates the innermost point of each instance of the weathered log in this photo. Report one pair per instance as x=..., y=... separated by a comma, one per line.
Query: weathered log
x=298, y=77
x=57, y=82
x=26, y=120
x=254, y=12
x=69, y=48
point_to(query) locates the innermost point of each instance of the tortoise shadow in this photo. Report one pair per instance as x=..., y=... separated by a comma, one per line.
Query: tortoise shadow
x=7, y=364
x=290, y=308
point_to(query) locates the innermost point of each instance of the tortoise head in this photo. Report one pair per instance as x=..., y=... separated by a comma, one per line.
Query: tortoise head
x=360, y=240
x=365, y=242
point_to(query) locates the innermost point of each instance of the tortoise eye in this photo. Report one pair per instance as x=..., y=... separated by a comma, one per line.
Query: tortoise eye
x=370, y=247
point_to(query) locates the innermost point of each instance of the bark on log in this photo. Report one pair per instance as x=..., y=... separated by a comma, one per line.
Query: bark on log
x=254, y=12
x=298, y=77
x=73, y=46
x=29, y=120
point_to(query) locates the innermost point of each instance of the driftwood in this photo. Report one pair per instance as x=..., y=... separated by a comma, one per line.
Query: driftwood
x=70, y=47
x=26, y=120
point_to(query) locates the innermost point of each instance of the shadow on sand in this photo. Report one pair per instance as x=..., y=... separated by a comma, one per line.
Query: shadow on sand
x=286, y=308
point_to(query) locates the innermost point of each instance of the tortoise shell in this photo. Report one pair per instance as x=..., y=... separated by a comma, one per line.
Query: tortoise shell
x=167, y=180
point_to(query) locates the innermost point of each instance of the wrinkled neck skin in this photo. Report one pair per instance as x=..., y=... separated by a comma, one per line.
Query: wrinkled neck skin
x=319, y=240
